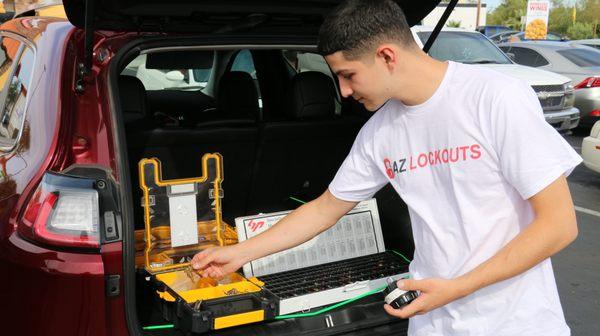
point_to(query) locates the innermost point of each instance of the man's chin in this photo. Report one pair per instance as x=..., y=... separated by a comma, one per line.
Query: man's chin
x=371, y=107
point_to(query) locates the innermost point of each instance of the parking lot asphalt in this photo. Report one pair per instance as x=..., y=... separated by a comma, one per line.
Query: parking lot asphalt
x=577, y=268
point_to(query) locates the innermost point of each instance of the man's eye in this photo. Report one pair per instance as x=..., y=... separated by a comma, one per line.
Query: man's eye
x=349, y=76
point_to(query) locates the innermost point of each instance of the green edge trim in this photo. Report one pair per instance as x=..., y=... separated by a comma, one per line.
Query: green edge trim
x=401, y=255
x=297, y=200
x=156, y=327
x=321, y=311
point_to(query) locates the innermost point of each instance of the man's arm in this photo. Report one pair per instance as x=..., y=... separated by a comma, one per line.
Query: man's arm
x=294, y=229
x=553, y=228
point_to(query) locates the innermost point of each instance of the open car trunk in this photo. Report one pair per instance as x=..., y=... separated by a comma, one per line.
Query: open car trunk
x=274, y=114
x=282, y=138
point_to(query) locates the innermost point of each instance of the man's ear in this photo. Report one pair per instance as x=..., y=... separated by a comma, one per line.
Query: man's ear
x=388, y=55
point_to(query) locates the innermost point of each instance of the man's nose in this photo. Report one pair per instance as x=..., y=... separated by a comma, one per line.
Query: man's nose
x=345, y=89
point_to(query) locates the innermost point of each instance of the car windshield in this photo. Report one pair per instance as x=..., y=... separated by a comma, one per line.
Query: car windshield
x=464, y=47
x=582, y=57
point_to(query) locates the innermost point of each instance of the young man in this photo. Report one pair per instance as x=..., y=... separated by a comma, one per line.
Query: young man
x=470, y=153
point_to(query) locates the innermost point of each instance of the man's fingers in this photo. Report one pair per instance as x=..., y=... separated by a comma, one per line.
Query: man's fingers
x=214, y=272
x=411, y=284
x=405, y=312
x=392, y=311
x=202, y=259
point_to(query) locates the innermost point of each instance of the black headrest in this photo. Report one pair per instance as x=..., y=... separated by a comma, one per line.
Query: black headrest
x=312, y=96
x=237, y=96
x=133, y=98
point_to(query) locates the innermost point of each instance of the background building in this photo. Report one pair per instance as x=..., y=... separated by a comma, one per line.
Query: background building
x=464, y=15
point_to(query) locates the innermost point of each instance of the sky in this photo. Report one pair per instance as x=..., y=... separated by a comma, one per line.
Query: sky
x=492, y=4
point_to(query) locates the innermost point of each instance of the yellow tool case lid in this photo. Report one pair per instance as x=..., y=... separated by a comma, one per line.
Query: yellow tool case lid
x=181, y=218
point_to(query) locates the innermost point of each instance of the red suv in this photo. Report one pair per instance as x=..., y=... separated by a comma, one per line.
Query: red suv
x=84, y=99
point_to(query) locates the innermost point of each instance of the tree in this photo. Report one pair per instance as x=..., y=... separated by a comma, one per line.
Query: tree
x=560, y=19
x=508, y=13
x=580, y=30
x=589, y=12
x=453, y=23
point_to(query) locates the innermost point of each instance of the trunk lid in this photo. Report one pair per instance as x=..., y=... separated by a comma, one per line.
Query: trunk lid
x=272, y=16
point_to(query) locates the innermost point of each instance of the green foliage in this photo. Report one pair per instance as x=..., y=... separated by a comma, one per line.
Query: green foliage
x=580, y=30
x=508, y=13
x=453, y=23
x=560, y=20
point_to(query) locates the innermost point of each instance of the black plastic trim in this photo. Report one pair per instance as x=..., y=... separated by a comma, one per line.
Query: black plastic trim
x=438, y=27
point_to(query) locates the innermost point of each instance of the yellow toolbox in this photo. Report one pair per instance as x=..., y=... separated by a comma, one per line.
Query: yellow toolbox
x=183, y=217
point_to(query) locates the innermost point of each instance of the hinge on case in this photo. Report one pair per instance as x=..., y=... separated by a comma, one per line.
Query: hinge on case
x=211, y=193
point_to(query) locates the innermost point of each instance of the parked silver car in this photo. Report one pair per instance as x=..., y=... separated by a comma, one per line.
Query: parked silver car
x=554, y=91
x=578, y=62
x=594, y=43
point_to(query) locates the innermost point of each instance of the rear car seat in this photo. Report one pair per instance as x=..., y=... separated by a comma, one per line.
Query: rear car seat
x=180, y=151
x=237, y=97
x=133, y=102
x=299, y=157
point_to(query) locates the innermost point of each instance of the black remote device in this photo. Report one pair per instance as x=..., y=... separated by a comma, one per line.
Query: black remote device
x=398, y=298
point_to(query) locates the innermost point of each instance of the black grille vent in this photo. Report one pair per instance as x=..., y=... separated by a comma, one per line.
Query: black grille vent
x=548, y=88
x=333, y=275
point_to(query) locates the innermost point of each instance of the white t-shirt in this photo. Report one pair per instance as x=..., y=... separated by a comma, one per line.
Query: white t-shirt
x=465, y=162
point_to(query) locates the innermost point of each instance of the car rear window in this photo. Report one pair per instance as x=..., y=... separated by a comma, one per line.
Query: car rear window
x=464, y=47
x=301, y=61
x=170, y=71
x=582, y=57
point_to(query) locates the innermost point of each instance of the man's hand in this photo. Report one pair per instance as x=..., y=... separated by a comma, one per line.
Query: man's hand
x=434, y=293
x=216, y=262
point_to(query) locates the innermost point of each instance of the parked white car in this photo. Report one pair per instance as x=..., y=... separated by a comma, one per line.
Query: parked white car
x=590, y=149
x=554, y=91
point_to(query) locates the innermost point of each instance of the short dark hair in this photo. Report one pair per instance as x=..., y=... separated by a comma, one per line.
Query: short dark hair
x=357, y=26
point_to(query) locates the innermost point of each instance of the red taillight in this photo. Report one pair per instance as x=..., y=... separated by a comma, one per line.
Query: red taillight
x=62, y=215
x=589, y=82
x=595, y=113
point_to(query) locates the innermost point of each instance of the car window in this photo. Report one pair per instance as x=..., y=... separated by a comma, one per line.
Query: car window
x=526, y=56
x=495, y=30
x=243, y=62
x=597, y=46
x=9, y=49
x=553, y=37
x=17, y=88
x=301, y=61
x=582, y=57
x=157, y=77
x=464, y=47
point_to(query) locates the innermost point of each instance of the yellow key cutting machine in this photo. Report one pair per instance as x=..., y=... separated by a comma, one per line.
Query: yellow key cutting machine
x=183, y=217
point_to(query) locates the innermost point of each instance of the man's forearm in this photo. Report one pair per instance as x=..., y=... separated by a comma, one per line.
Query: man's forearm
x=533, y=245
x=296, y=228
x=553, y=228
